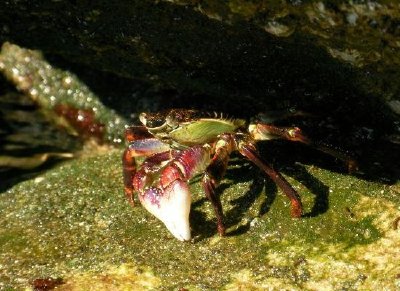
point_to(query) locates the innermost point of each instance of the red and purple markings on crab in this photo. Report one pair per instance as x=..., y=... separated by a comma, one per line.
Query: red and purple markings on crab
x=179, y=144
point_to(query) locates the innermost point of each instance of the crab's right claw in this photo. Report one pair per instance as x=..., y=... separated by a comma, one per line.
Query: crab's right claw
x=171, y=205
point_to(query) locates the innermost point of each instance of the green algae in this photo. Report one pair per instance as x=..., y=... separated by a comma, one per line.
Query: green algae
x=49, y=87
x=73, y=222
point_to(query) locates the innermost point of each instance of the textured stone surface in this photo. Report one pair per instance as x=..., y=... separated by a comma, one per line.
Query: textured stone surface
x=335, y=63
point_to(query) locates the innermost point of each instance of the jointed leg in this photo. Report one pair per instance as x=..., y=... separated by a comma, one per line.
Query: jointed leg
x=213, y=176
x=128, y=171
x=250, y=152
x=263, y=131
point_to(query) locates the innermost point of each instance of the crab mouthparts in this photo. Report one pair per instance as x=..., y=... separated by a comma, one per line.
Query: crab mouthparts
x=172, y=206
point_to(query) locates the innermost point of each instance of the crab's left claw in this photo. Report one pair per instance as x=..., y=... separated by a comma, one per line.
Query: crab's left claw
x=172, y=206
x=165, y=193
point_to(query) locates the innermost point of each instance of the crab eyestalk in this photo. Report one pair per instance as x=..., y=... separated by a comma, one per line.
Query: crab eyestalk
x=168, y=197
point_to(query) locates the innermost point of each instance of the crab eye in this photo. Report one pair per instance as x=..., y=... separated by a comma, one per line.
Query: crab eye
x=171, y=121
x=151, y=121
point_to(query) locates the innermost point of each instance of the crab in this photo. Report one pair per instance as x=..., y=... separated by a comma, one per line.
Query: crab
x=179, y=144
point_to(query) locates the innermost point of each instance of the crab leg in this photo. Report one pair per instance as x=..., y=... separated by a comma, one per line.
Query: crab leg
x=249, y=151
x=139, y=146
x=168, y=198
x=214, y=174
x=263, y=131
x=128, y=172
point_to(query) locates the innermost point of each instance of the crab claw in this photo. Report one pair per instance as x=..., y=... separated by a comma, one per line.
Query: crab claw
x=172, y=206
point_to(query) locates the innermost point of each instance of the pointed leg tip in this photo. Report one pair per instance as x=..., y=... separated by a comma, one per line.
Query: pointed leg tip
x=221, y=230
x=129, y=196
x=297, y=212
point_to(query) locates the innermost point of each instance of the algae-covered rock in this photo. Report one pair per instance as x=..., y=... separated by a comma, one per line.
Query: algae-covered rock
x=52, y=89
x=73, y=223
x=332, y=65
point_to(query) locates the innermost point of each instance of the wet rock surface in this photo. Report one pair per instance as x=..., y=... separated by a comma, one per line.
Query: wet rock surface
x=64, y=221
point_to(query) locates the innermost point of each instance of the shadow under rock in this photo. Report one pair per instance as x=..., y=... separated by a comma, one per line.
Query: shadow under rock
x=29, y=143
